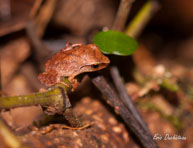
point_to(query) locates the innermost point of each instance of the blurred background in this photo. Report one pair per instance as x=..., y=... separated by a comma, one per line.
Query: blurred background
x=32, y=30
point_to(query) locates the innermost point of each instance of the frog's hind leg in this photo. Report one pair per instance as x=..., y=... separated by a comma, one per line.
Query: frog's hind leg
x=48, y=78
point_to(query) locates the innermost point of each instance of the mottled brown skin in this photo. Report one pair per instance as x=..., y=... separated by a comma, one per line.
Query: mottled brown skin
x=72, y=61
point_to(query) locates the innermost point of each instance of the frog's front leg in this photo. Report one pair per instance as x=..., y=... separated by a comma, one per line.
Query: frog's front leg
x=74, y=82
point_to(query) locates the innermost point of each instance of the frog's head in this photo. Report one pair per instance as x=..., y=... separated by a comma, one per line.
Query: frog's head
x=94, y=60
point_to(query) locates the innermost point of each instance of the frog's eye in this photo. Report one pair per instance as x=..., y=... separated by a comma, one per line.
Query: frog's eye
x=95, y=66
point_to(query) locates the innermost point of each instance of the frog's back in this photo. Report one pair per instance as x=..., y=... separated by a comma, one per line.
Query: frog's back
x=63, y=62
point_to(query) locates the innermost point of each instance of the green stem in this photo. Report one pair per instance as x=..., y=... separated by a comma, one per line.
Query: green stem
x=8, y=137
x=47, y=98
x=142, y=18
x=166, y=83
x=53, y=98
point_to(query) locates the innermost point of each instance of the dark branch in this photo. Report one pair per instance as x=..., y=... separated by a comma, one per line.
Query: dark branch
x=113, y=99
x=126, y=99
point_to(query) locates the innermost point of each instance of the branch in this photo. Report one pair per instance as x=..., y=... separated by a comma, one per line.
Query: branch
x=122, y=15
x=51, y=98
x=113, y=99
x=125, y=98
x=55, y=101
x=41, y=51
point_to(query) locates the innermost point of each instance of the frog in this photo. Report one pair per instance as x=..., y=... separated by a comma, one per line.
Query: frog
x=71, y=61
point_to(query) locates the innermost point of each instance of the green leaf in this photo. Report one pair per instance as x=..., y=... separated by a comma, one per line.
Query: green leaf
x=114, y=42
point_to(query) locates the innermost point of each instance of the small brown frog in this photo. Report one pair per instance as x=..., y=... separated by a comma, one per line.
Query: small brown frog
x=72, y=61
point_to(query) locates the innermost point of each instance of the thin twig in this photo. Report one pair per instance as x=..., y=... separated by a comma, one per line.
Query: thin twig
x=142, y=18
x=44, y=16
x=122, y=15
x=41, y=51
x=125, y=98
x=113, y=99
x=35, y=8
